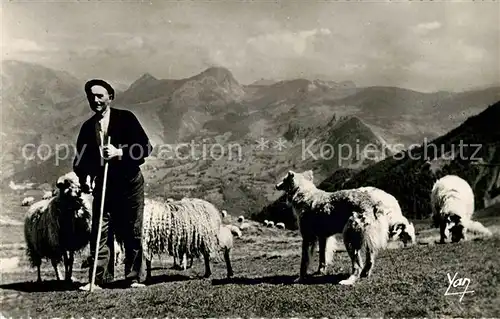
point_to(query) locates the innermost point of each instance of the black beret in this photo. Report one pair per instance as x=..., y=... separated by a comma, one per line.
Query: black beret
x=102, y=83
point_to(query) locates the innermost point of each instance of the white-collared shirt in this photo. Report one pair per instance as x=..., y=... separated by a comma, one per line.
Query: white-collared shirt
x=102, y=126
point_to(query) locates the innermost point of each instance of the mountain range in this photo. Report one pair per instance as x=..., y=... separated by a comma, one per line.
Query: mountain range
x=470, y=151
x=46, y=106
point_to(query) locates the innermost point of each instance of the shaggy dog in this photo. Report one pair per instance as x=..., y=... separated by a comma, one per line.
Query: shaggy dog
x=370, y=233
x=452, y=201
x=320, y=214
x=189, y=227
x=58, y=227
x=389, y=206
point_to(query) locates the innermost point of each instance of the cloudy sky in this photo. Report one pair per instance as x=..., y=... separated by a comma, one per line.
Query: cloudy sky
x=425, y=46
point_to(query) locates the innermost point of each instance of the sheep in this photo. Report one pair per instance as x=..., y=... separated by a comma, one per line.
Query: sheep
x=21, y=186
x=369, y=233
x=241, y=219
x=56, y=228
x=27, y=201
x=244, y=226
x=15, y=187
x=320, y=214
x=270, y=224
x=226, y=243
x=224, y=213
x=190, y=226
x=47, y=195
x=280, y=225
x=452, y=202
x=235, y=230
x=225, y=238
x=266, y=222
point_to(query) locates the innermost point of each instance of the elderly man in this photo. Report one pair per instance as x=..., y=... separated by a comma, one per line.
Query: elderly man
x=124, y=197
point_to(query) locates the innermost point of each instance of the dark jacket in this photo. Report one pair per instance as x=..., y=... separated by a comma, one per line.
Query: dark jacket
x=126, y=133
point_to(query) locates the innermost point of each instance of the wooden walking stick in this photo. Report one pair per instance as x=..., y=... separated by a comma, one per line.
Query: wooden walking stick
x=101, y=213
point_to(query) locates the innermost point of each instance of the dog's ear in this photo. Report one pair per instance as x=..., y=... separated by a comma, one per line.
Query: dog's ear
x=455, y=219
x=309, y=175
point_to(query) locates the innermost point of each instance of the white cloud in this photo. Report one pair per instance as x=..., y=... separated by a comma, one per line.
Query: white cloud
x=285, y=41
x=426, y=27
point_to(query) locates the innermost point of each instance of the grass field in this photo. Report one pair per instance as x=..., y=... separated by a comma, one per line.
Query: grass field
x=407, y=282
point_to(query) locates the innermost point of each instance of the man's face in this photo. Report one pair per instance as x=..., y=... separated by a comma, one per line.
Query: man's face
x=99, y=99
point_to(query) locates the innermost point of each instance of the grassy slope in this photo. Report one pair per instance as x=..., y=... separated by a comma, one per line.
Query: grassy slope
x=263, y=287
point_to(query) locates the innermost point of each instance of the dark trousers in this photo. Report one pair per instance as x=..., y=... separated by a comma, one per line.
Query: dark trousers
x=122, y=217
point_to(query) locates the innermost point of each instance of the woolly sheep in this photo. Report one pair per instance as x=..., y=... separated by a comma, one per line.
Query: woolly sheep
x=184, y=265
x=190, y=226
x=244, y=226
x=224, y=213
x=226, y=243
x=241, y=219
x=270, y=224
x=280, y=225
x=21, y=186
x=47, y=195
x=56, y=228
x=452, y=201
x=235, y=230
x=27, y=201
